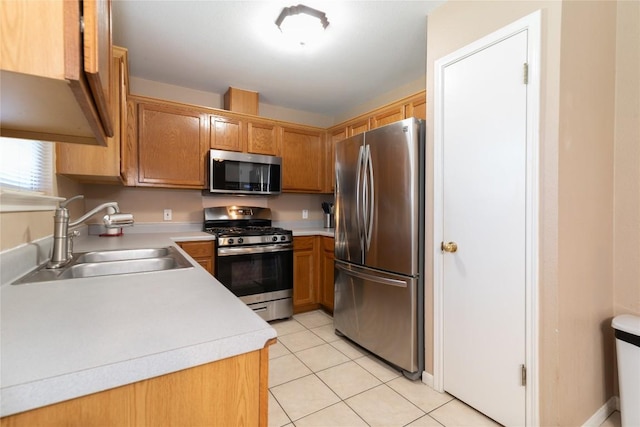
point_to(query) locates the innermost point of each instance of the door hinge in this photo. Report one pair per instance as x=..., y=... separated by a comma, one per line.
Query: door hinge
x=526, y=73
x=81, y=24
x=523, y=375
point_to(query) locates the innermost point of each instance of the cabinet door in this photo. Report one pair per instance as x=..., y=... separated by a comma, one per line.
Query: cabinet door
x=303, y=160
x=326, y=273
x=417, y=107
x=262, y=138
x=48, y=68
x=305, y=274
x=387, y=116
x=201, y=252
x=172, y=145
x=334, y=136
x=359, y=127
x=226, y=133
x=97, y=55
x=87, y=163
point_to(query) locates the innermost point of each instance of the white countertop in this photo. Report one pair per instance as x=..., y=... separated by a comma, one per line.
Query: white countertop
x=69, y=338
x=327, y=232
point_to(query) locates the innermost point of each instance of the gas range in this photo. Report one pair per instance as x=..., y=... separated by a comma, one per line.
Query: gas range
x=253, y=258
x=242, y=225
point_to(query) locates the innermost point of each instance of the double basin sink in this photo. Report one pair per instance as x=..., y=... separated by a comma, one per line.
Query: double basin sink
x=114, y=262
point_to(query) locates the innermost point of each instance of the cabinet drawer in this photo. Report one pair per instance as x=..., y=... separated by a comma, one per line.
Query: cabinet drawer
x=198, y=249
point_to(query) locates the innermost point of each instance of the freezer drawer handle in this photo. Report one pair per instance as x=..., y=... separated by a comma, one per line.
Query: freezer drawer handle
x=371, y=277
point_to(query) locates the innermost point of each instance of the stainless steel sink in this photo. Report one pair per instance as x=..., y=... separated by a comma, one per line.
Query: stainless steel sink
x=109, y=263
x=109, y=268
x=125, y=254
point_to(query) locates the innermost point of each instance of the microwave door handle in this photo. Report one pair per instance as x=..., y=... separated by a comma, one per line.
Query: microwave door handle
x=370, y=197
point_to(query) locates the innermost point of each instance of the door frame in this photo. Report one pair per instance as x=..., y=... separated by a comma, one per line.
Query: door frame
x=530, y=23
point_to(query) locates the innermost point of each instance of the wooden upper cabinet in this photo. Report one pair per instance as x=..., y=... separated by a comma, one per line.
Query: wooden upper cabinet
x=172, y=146
x=226, y=133
x=303, y=159
x=53, y=72
x=333, y=136
x=417, y=107
x=386, y=116
x=358, y=127
x=87, y=163
x=97, y=55
x=262, y=137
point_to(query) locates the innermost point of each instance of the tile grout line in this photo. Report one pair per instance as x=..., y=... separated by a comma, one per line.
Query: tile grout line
x=382, y=382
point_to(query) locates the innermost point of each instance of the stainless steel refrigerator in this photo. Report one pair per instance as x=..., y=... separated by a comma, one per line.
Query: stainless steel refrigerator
x=379, y=243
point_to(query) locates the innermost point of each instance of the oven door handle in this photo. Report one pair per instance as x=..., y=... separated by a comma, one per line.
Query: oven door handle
x=247, y=250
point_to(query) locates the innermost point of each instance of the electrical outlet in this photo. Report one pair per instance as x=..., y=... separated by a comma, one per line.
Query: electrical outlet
x=305, y=214
x=167, y=214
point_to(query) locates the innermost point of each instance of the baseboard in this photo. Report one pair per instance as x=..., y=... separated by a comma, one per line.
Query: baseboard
x=427, y=378
x=603, y=413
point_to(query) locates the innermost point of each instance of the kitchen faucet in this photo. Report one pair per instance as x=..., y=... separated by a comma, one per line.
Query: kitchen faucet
x=62, y=239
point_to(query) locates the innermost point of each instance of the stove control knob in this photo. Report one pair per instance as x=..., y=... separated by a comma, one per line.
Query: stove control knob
x=230, y=241
x=283, y=237
x=274, y=238
x=240, y=240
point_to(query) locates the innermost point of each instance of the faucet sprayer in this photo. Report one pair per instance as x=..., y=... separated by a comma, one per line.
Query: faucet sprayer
x=62, y=239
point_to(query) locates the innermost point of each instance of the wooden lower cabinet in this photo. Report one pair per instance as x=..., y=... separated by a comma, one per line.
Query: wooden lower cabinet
x=202, y=252
x=305, y=274
x=326, y=259
x=228, y=392
x=313, y=273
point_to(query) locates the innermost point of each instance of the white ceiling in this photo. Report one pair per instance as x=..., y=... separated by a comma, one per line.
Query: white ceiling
x=369, y=48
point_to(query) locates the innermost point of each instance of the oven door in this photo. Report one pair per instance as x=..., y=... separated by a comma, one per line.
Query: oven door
x=257, y=273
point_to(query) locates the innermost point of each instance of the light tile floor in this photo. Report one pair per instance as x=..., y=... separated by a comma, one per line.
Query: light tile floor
x=317, y=378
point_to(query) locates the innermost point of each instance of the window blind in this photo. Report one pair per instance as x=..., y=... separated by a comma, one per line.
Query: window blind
x=26, y=165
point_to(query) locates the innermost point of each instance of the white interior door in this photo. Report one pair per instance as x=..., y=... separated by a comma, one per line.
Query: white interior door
x=484, y=173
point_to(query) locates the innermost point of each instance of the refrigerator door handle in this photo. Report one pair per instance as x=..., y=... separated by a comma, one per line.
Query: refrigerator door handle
x=370, y=196
x=371, y=277
x=359, y=200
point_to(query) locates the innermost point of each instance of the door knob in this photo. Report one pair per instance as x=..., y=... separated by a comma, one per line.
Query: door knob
x=449, y=247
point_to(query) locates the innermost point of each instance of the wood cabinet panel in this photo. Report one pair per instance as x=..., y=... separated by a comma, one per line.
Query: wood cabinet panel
x=87, y=163
x=417, y=107
x=303, y=158
x=228, y=392
x=386, y=116
x=97, y=56
x=172, y=145
x=49, y=70
x=305, y=274
x=203, y=252
x=262, y=138
x=327, y=272
x=333, y=137
x=226, y=133
x=359, y=127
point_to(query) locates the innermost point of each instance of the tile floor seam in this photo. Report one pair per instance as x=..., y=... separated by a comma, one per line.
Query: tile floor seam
x=358, y=354
x=285, y=412
x=438, y=407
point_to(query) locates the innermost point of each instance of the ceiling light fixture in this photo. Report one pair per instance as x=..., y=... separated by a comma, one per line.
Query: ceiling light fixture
x=304, y=24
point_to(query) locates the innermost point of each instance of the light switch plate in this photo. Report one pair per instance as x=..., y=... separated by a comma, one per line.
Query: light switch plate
x=167, y=214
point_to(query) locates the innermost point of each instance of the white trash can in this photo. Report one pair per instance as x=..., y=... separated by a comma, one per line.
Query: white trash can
x=627, y=331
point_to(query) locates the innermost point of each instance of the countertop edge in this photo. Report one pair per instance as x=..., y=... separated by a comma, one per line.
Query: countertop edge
x=36, y=394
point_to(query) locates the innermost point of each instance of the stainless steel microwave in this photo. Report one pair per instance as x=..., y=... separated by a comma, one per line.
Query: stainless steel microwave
x=244, y=173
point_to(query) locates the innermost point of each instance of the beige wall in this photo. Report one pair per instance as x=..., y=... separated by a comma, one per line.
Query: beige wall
x=626, y=274
x=153, y=89
x=147, y=204
x=576, y=181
